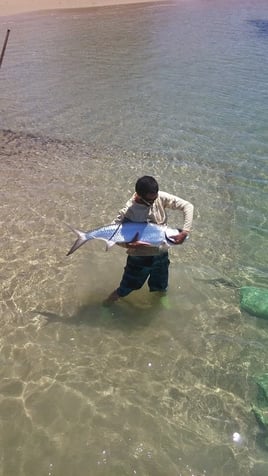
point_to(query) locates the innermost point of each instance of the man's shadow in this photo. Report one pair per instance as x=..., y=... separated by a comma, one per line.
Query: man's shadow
x=123, y=315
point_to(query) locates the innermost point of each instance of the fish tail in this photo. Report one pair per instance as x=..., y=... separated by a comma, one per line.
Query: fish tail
x=80, y=240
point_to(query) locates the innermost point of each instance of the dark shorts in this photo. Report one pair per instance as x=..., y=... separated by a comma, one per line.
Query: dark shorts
x=139, y=268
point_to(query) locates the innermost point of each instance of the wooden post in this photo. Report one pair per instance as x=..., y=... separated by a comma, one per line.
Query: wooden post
x=4, y=47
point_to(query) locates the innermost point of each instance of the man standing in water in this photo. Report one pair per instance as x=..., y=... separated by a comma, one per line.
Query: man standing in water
x=148, y=204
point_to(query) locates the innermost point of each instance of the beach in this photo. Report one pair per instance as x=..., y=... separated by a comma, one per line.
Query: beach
x=13, y=7
x=91, y=99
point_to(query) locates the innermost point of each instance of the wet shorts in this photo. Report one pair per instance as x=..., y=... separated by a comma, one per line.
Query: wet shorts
x=139, y=268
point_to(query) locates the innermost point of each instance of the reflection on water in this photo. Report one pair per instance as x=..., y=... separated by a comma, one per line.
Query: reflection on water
x=90, y=101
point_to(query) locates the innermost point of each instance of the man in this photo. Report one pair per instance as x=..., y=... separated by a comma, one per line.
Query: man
x=148, y=204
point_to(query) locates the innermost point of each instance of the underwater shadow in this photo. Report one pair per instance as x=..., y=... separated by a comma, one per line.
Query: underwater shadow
x=261, y=26
x=121, y=315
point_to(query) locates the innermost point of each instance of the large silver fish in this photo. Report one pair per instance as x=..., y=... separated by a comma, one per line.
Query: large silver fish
x=149, y=234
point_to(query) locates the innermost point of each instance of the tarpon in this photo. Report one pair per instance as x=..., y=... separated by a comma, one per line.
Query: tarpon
x=148, y=234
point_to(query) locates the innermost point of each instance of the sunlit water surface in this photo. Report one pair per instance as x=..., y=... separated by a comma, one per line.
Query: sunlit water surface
x=90, y=100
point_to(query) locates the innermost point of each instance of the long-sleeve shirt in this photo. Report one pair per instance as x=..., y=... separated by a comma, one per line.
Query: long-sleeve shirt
x=156, y=213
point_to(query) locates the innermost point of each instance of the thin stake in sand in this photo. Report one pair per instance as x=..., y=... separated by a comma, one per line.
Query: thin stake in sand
x=4, y=47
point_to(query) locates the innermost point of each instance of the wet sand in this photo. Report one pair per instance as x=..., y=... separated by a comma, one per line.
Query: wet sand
x=13, y=7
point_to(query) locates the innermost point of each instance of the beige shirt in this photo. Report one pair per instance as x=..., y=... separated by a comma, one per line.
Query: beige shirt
x=156, y=213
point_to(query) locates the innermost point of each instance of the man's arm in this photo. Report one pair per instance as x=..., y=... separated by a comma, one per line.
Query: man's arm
x=187, y=208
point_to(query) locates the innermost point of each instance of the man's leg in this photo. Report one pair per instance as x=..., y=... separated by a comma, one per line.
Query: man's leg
x=136, y=272
x=158, y=280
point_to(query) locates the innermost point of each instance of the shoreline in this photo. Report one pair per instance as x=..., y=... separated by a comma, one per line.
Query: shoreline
x=16, y=7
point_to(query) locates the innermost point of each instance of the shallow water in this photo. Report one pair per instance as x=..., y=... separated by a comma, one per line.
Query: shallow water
x=90, y=100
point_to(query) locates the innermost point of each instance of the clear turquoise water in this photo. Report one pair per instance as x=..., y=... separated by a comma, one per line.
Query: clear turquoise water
x=90, y=100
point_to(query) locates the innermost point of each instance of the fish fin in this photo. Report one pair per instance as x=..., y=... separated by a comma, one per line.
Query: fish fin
x=135, y=238
x=143, y=243
x=170, y=239
x=79, y=242
x=136, y=242
x=109, y=244
x=164, y=246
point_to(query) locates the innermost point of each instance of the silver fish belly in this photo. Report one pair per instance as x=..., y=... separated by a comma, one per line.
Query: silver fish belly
x=149, y=234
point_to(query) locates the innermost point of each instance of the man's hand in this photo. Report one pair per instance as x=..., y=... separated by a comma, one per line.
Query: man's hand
x=179, y=239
